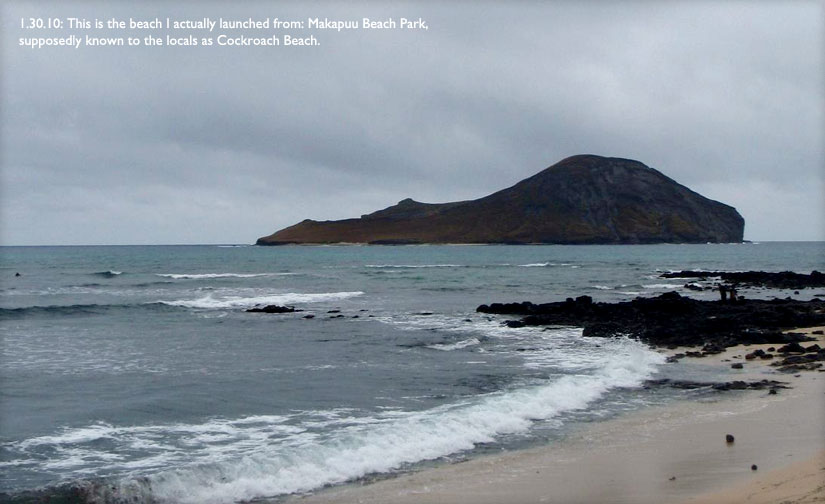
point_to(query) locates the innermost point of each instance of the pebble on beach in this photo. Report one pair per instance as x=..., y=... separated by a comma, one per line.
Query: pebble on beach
x=753, y=467
x=729, y=438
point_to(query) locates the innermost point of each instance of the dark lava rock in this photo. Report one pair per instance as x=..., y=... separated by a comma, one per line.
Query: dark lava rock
x=273, y=309
x=309, y=316
x=754, y=385
x=754, y=354
x=758, y=353
x=734, y=385
x=738, y=365
x=806, y=362
x=777, y=280
x=713, y=348
x=795, y=368
x=792, y=348
x=718, y=386
x=729, y=438
x=796, y=359
x=753, y=467
x=670, y=319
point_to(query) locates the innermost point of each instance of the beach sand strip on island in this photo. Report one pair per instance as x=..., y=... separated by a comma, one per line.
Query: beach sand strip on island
x=673, y=453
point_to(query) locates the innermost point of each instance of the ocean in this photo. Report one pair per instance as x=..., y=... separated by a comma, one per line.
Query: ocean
x=135, y=372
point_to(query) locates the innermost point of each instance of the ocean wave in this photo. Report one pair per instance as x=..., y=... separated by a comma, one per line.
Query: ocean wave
x=212, y=302
x=223, y=461
x=200, y=276
x=376, y=447
x=546, y=264
x=61, y=310
x=455, y=346
x=108, y=273
x=661, y=286
x=414, y=266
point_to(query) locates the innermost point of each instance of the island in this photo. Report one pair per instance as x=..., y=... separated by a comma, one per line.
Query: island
x=583, y=199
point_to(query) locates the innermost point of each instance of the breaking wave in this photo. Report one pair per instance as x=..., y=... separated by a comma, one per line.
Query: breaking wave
x=230, y=460
x=199, y=276
x=108, y=273
x=455, y=346
x=546, y=264
x=413, y=266
x=224, y=302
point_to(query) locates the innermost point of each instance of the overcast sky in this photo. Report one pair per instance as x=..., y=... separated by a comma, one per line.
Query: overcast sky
x=142, y=145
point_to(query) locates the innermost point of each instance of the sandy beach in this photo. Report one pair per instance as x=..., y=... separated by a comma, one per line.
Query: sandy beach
x=674, y=453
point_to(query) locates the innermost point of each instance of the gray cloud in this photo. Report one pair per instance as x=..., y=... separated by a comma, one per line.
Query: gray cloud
x=205, y=145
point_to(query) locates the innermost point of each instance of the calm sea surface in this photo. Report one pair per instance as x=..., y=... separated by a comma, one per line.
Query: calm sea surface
x=136, y=372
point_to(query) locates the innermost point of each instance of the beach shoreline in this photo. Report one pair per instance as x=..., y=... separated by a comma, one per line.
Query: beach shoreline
x=672, y=453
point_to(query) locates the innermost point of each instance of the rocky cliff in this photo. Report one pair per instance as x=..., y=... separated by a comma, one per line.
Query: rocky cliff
x=579, y=200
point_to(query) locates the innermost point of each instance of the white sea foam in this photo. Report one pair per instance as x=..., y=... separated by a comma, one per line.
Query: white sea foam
x=373, y=445
x=413, y=266
x=226, y=302
x=77, y=450
x=602, y=287
x=546, y=264
x=455, y=346
x=199, y=276
x=661, y=286
x=228, y=460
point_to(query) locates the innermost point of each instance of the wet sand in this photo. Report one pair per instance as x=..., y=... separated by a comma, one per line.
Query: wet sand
x=674, y=453
x=798, y=483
